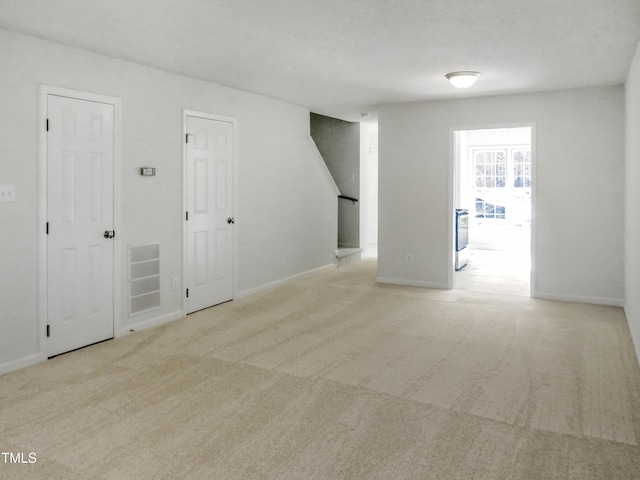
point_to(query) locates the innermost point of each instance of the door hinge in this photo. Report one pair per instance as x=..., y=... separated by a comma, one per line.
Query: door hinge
x=47, y=228
x=186, y=216
x=47, y=124
x=186, y=138
x=187, y=293
x=48, y=330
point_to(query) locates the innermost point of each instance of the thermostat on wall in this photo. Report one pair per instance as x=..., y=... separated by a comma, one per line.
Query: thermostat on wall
x=147, y=171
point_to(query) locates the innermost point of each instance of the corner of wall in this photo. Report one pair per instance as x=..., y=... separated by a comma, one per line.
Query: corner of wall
x=632, y=199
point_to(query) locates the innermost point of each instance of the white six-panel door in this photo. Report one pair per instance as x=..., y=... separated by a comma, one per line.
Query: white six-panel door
x=209, y=216
x=80, y=165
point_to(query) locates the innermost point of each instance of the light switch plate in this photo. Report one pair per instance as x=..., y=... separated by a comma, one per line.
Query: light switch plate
x=7, y=193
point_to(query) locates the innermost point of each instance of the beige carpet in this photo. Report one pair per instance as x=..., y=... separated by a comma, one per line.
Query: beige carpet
x=495, y=271
x=337, y=377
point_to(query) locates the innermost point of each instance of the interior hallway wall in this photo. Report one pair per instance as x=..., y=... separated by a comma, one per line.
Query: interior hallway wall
x=278, y=234
x=632, y=202
x=369, y=188
x=579, y=137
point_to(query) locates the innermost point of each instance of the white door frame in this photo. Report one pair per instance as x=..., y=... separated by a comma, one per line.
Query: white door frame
x=43, y=307
x=453, y=188
x=234, y=122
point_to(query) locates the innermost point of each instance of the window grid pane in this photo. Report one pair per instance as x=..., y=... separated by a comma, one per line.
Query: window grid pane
x=522, y=168
x=490, y=168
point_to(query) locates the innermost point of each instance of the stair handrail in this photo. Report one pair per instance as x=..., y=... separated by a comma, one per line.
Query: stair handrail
x=354, y=200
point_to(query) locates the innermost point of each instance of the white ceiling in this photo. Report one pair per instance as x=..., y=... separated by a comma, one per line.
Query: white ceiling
x=343, y=57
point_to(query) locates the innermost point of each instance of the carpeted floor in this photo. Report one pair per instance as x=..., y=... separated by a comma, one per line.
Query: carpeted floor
x=337, y=377
x=495, y=271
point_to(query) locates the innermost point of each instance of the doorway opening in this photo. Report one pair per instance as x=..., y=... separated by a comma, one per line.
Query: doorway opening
x=493, y=198
x=369, y=189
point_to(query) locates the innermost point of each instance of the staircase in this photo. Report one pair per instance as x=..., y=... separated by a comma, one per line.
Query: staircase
x=347, y=256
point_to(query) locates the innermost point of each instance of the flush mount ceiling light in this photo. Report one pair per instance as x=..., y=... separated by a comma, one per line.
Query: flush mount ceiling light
x=462, y=79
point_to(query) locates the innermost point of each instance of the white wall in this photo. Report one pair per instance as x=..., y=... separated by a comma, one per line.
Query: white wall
x=371, y=180
x=364, y=204
x=632, y=202
x=579, y=188
x=286, y=208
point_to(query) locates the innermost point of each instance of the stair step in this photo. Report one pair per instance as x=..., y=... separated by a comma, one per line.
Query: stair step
x=346, y=256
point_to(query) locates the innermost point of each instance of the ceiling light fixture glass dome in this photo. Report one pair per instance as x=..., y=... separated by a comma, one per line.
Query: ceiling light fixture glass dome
x=462, y=79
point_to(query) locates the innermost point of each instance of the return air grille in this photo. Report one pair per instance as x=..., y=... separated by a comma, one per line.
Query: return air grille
x=144, y=278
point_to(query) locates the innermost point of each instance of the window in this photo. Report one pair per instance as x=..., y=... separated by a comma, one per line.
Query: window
x=490, y=168
x=485, y=209
x=501, y=176
x=522, y=168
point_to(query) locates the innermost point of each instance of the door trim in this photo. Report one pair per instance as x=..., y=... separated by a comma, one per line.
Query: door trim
x=234, y=123
x=453, y=177
x=45, y=91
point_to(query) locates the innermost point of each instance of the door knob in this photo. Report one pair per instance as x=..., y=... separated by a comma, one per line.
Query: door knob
x=231, y=220
x=109, y=233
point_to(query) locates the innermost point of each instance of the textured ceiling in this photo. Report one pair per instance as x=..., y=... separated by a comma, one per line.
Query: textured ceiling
x=343, y=57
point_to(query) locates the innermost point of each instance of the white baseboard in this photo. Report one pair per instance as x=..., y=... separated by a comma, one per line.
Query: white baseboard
x=277, y=283
x=412, y=283
x=614, y=302
x=20, y=363
x=149, y=323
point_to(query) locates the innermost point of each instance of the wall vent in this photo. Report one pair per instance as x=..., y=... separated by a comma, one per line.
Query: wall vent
x=144, y=278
